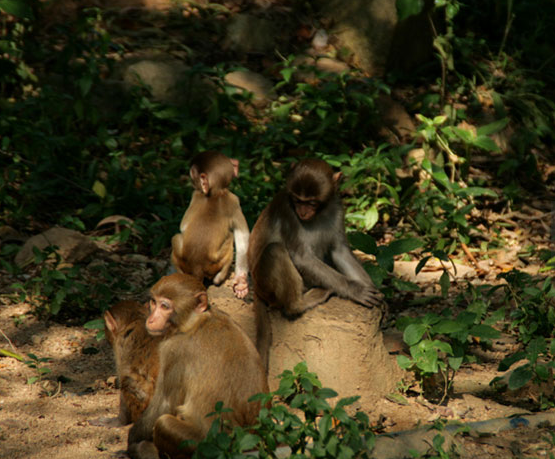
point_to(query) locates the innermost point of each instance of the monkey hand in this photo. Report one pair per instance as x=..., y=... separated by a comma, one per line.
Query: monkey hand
x=240, y=285
x=365, y=294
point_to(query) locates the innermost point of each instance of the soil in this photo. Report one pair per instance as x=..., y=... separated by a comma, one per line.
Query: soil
x=58, y=416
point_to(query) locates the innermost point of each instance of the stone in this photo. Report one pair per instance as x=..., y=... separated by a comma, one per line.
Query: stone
x=168, y=80
x=73, y=246
x=339, y=340
x=247, y=33
x=432, y=271
x=371, y=31
x=253, y=82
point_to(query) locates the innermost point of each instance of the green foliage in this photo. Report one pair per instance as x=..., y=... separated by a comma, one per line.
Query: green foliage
x=65, y=291
x=37, y=364
x=385, y=258
x=439, y=343
x=533, y=299
x=323, y=431
x=33, y=362
x=539, y=354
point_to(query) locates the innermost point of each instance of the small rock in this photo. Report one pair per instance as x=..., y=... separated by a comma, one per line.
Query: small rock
x=73, y=246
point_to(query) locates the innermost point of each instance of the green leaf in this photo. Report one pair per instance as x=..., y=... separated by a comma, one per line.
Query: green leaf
x=19, y=8
x=421, y=264
x=371, y=217
x=249, y=441
x=58, y=275
x=404, y=362
x=99, y=189
x=85, y=84
x=455, y=362
x=7, y=353
x=440, y=176
x=520, y=377
x=326, y=393
x=401, y=246
x=506, y=363
x=286, y=73
x=536, y=347
x=448, y=326
x=444, y=282
x=363, y=242
x=95, y=324
x=542, y=371
x=407, y=8
x=325, y=425
x=413, y=333
x=476, y=191
x=397, y=398
x=492, y=128
x=487, y=144
x=484, y=331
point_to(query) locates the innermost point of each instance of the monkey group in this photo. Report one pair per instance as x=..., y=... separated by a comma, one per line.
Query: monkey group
x=177, y=356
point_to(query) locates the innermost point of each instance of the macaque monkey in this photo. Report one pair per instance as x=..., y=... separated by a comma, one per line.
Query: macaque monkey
x=298, y=252
x=211, y=224
x=136, y=356
x=205, y=357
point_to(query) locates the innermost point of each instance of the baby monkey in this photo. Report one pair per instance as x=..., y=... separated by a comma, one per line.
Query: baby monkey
x=211, y=224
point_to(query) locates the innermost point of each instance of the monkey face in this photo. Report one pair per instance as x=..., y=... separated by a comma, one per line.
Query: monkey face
x=305, y=209
x=161, y=312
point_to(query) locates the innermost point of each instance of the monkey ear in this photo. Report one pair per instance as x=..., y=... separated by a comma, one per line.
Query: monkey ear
x=337, y=177
x=202, y=302
x=111, y=323
x=193, y=172
x=235, y=164
x=204, y=183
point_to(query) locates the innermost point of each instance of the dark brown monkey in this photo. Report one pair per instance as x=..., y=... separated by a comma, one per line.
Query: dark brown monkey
x=213, y=220
x=136, y=356
x=298, y=253
x=207, y=359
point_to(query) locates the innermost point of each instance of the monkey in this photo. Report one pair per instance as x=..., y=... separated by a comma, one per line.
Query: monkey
x=298, y=253
x=136, y=356
x=211, y=224
x=205, y=357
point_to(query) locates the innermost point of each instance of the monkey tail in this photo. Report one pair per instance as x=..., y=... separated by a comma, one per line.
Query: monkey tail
x=263, y=331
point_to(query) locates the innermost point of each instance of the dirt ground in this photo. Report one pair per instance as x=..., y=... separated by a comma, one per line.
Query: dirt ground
x=56, y=417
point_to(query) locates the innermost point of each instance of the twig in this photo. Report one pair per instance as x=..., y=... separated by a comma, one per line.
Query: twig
x=9, y=342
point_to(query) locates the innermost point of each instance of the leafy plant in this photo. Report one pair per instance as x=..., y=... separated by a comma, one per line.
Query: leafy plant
x=533, y=300
x=36, y=363
x=439, y=345
x=385, y=258
x=33, y=362
x=322, y=431
x=67, y=291
x=540, y=357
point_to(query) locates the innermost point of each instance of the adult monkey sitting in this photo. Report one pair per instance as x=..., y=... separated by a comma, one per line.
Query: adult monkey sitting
x=205, y=357
x=299, y=243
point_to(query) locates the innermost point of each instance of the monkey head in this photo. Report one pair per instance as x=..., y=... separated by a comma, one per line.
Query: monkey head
x=173, y=300
x=212, y=172
x=311, y=184
x=122, y=318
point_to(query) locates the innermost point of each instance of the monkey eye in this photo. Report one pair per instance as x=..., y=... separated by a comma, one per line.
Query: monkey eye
x=305, y=202
x=166, y=305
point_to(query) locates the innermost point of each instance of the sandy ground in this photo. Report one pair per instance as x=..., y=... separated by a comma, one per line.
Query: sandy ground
x=55, y=417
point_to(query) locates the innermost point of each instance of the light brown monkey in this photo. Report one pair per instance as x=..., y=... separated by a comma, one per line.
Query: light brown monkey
x=136, y=356
x=298, y=252
x=207, y=359
x=213, y=220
